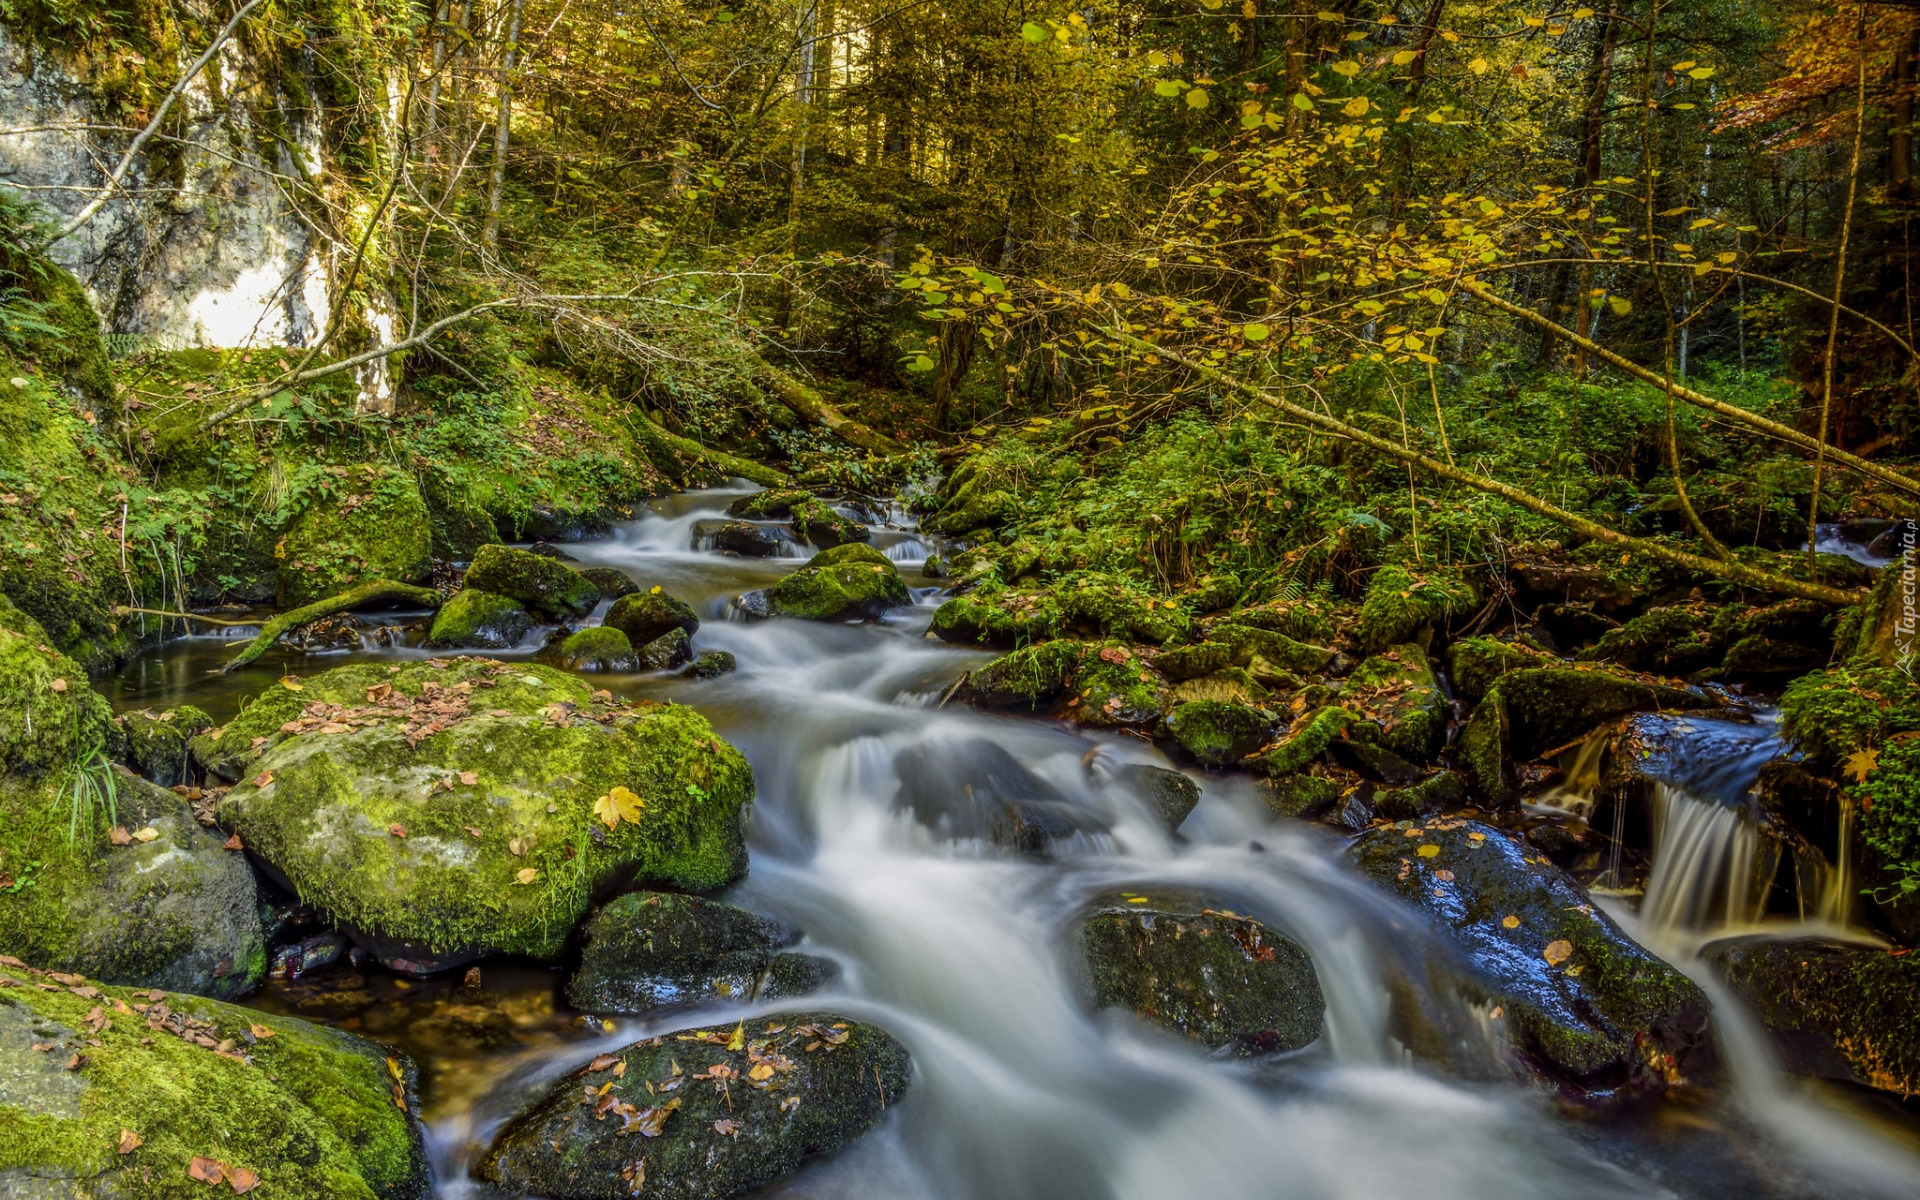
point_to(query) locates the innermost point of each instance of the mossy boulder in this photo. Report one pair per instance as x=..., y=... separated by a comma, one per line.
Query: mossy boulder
x=1101, y=604
x=769, y=505
x=544, y=587
x=1401, y=604
x=1578, y=998
x=737, y=537
x=711, y=665
x=1305, y=741
x=857, y=590
x=1442, y=791
x=997, y=616
x=1114, y=688
x=816, y=523
x=644, y=616
x=49, y=718
x=827, y=1080
x=612, y=582
x=1396, y=692
x=148, y=899
x=1881, y=631
x=969, y=511
x=304, y=1110
x=442, y=812
x=1474, y=663
x=1273, y=658
x=155, y=744
x=1230, y=686
x=1181, y=663
x=372, y=524
x=1214, y=734
x=671, y=649
x=1833, y=1010
x=1675, y=640
x=1300, y=794
x=1030, y=678
x=1211, y=976
x=1535, y=709
x=1304, y=619
x=647, y=950
x=601, y=648
x=477, y=620
x=851, y=552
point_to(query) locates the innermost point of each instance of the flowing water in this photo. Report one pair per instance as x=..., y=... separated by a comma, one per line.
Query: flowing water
x=863, y=836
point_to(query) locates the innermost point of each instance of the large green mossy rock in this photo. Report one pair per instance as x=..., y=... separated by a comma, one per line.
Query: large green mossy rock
x=372, y=524
x=1089, y=604
x=646, y=950
x=477, y=620
x=1579, y=999
x=1113, y=688
x=827, y=1081
x=135, y=1085
x=1832, y=1010
x=768, y=505
x=1216, y=734
x=999, y=617
x=816, y=522
x=156, y=744
x=838, y=590
x=1206, y=974
x=443, y=812
x=1030, y=678
x=1536, y=709
x=1267, y=655
x=1397, y=694
x=644, y=616
x=1403, y=606
x=171, y=907
x=545, y=587
x=1306, y=740
x=49, y=718
x=600, y=648
x=1474, y=663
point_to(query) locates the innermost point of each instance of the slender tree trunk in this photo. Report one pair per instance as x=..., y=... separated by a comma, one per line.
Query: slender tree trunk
x=1900, y=119
x=803, y=34
x=502, y=129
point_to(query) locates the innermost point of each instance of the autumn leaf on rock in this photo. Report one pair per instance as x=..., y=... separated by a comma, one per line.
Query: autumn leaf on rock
x=616, y=806
x=232, y=843
x=1557, y=952
x=129, y=1142
x=58, y=685
x=469, y=778
x=1509, y=922
x=726, y=1128
x=241, y=1179
x=206, y=1170
x=399, y=831
x=263, y=779
x=119, y=836
x=602, y=1063
x=1861, y=763
x=260, y=1031
x=145, y=835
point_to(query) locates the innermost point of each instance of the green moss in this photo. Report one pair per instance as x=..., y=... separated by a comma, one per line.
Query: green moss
x=1397, y=691
x=1834, y=713
x=850, y=552
x=547, y=588
x=1297, y=794
x=1217, y=734
x=644, y=616
x=1114, y=687
x=1673, y=640
x=1032, y=677
x=1230, y=686
x=320, y=807
x=376, y=528
x=845, y=592
x=768, y=505
x=155, y=744
x=1270, y=655
x=1191, y=662
x=49, y=718
x=598, y=649
x=998, y=616
x=1475, y=662
x=1399, y=603
x=1306, y=741
x=817, y=523
x=473, y=618
x=311, y=1111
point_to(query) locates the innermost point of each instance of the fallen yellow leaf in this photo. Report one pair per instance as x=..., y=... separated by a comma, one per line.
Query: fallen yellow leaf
x=1510, y=922
x=1557, y=952
x=1428, y=851
x=526, y=875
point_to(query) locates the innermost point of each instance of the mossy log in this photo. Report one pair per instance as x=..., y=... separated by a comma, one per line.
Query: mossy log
x=743, y=467
x=810, y=404
x=366, y=593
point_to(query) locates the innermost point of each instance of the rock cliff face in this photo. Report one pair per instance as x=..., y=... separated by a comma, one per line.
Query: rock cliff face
x=217, y=237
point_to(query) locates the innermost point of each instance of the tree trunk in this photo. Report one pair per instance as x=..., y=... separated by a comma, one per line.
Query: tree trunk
x=502, y=130
x=1900, y=120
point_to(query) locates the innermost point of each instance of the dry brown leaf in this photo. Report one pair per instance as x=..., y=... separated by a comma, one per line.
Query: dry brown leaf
x=206, y=1170
x=145, y=835
x=119, y=836
x=129, y=1142
x=58, y=685
x=526, y=875
x=1557, y=952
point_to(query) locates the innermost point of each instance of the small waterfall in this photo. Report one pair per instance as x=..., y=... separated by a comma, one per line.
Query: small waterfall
x=1574, y=794
x=1704, y=866
x=1836, y=888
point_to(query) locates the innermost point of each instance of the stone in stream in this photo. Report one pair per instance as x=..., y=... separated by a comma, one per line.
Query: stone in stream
x=816, y=523
x=1399, y=701
x=711, y=665
x=1832, y=1010
x=973, y=788
x=601, y=648
x=155, y=744
x=1210, y=975
x=1578, y=998
x=853, y=582
x=671, y=649
x=545, y=587
x=135, y=1085
x=1169, y=794
x=682, y=1117
x=442, y=810
x=738, y=537
x=645, y=616
x=146, y=896
x=475, y=620
x=612, y=582
x=645, y=950
x=1215, y=734
x=1030, y=678
x=334, y=544
x=546, y=549
x=768, y=505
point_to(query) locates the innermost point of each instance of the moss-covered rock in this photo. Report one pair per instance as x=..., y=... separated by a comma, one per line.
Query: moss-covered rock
x=769, y=505
x=850, y=552
x=1396, y=692
x=1307, y=740
x=442, y=812
x=1231, y=686
x=304, y=1110
x=1833, y=1010
x=644, y=616
x=827, y=1081
x=601, y=648
x=1400, y=604
x=1211, y=976
x=1674, y=640
x=647, y=950
x=473, y=619
x=671, y=649
x=50, y=720
x=968, y=512
x=1114, y=688
x=612, y=582
x=711, y=665
x=1300, y=794
x=1214, y=734
x=155, y=744
x=1273, y=658
x=1442, y=791
x=816, y=523
x=543, y=586
x=142, y=895
x=1031, y=678
x=1304, y=619
x=1181, y=663
x=1578, y=997
x=1881, y=632
x=999, y=617
x=371, y=525
x=1474, y=663
x=844, y=591
x=1171, y=795
x=737, y=537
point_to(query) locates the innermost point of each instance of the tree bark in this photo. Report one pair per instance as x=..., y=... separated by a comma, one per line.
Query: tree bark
x=813, y=406
x=502, y=129
x=745, y=468
x=366, y=593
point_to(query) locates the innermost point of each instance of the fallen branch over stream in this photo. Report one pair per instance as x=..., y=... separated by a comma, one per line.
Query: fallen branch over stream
x=1738, y=572
x=366, y=593
x=810, y=404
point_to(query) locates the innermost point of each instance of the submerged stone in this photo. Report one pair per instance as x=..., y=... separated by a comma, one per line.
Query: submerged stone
x=974, y=789
x=612, y=582
x=475, y=620
x=711, y=665
x=545, y=587
x=645, y=616
x=645, y=950
x=303, y=1110
x=442, y=812
x=1169, y=794
x=1214, y=977
x=802, y=1085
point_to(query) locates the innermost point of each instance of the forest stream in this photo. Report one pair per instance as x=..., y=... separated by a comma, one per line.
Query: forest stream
x=865, y=836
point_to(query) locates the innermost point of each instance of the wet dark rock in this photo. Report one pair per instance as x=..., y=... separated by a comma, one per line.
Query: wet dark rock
x=644, y=950
x=1439, y=792
x=644, y=616
x=1580, y=1000
x=753, y=606
x=1300, y=794
x=547, y=549
x=1576, y=583
x=829, y=1081
x=328, y=635
x=975, y=789
x=475, y=620
x=545, y=523
x=1832, y=1010
x=1169, y=793
x=155, y=744
x=738, y=537
x=1216, y=978
x=671, y=649
x=541, y=585
x=1377, y=762
x=1214, y=734
x=1353, y=811
x=711, y=665
x=315, y=952
x=612, y=582
x=1400, y=703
